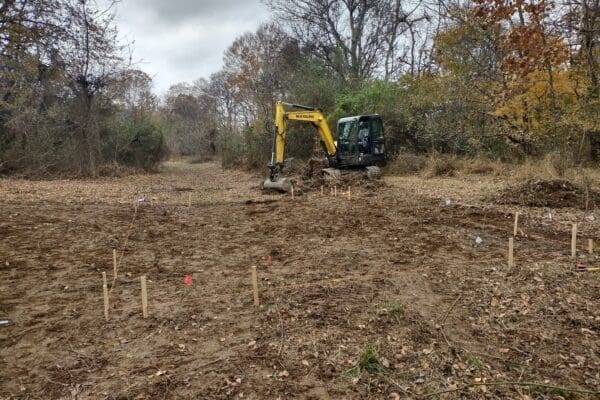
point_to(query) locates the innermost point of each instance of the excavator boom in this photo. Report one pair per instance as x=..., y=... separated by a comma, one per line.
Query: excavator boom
x=305, y=114
x=308, y=114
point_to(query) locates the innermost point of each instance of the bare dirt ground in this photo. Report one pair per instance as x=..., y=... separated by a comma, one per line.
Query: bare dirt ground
x=395, y=269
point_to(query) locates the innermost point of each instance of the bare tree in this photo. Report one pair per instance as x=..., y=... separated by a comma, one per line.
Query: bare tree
x=356, y=38
x=92, y=56
x=28, y=25
x=582, y=22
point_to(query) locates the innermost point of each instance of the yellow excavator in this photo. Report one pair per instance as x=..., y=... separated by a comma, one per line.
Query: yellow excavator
x=358, y=144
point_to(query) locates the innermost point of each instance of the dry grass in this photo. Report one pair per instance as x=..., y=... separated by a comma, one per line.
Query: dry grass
x=483, y=166
x=441, y=165
x=553, y=166
x=116, y=171
x=202, y=158
x=406, y=164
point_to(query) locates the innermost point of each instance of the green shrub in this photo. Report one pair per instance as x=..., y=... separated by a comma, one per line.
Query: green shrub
x=143, y=145
x=232, y=152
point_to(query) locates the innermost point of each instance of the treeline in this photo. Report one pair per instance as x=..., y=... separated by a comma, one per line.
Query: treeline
x=503, y=79
x=71, y=104
x=499, y=78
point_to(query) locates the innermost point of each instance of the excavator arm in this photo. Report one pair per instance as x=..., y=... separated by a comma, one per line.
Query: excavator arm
x=308, y=114
x=303, y=114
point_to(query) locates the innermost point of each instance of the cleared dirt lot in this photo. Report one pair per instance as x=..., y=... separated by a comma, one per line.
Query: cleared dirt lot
x=395, y=269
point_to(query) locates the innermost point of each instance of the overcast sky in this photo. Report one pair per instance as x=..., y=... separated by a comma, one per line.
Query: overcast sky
x=182, y=40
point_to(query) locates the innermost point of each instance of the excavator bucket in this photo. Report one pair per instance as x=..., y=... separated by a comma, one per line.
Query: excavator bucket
x=281, y=184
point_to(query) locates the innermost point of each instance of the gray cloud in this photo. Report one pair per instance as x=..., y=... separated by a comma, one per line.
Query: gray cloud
x=182, y=40
x=178, y=11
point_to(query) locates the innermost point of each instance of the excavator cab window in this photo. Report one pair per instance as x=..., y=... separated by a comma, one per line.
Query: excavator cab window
x=347, y=136
x=377, y=136
x=364, y=137
x=360, y=135
x=360, y=141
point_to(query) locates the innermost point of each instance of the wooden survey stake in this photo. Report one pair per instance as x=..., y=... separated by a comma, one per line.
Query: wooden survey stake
x=591, y=246
x=516, y=227
x=255, y=286
x=144, y=297
x=105, y=294
x=511, y=248
x=574, y=241
x=114, y=265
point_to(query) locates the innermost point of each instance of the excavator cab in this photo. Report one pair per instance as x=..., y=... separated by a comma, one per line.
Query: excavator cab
x=360, y=141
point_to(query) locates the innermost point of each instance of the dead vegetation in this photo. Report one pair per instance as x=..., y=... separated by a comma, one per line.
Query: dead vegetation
x=406, y=164
x=309, y=177
x=548, y=193
x=440, y=165
x=553, y=166
x=202, y=158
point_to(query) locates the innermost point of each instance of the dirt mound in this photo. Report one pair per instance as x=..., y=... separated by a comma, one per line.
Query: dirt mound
x=312, y=179
x=353, y=179
x=313, y=168
x=556, y=193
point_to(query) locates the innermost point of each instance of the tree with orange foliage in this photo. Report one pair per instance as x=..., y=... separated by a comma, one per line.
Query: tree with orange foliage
x=539, y=92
